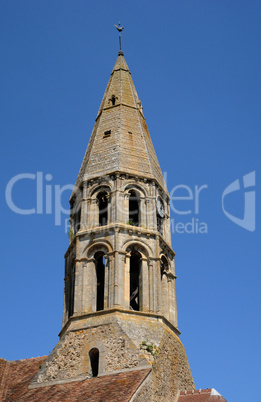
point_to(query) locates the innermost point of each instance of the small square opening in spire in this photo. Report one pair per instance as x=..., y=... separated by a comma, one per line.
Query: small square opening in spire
x=107, y=134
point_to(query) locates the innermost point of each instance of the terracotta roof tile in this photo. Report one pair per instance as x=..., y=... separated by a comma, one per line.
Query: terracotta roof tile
x=204, y=395
x=16, y=376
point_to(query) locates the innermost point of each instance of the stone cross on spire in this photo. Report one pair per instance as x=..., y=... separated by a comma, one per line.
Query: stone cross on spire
x=120, y=28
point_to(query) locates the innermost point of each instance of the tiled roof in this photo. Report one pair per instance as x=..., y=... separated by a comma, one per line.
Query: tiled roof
x=204, y=395
x=15, y=377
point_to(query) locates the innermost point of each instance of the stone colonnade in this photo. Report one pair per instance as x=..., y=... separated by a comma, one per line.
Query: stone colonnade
x=157, y=290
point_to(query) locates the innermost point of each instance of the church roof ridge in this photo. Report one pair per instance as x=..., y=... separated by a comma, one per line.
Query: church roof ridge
x=201, y=395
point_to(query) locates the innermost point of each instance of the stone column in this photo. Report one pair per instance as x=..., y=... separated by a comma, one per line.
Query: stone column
x=151, y=287
x=120, y=206
x=65, y=300
x=116, y=279
x=94, y=213
x=109, y=220
x=164, y=295
x=84, y=207
x=78, y=288
x=125, y=214
x=84, y=189
x=90, y=286
x=111, y=280
x=142, y=212
x=151, y=215
x=174, y=295
x=116, y=269
x=153, y=208
x=171, y=299
x=117, y=199
x=88, y=221
x=127, y=281
x=158, y=286
x=147, y=213
x=113, y=207
x=167, y=225
x=84, y=286
x=144, y=285
x=106, y=281
x=121, y=278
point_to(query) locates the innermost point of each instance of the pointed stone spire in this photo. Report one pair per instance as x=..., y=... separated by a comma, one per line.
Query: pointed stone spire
x=120, y=141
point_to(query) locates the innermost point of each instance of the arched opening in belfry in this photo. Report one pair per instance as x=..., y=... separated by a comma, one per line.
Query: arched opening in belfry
x=135, y=263
x=134, y=218
x=100, y=276
x=164, y=266
x=103, y=208
x=71, y=291
x=94, y=361
x=75, y=213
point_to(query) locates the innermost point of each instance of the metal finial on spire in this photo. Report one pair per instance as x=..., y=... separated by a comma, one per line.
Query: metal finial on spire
x=120, y=28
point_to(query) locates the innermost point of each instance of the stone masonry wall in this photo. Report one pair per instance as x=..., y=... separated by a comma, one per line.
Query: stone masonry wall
x=171, y=372
x=70, y=358
x=125, y=341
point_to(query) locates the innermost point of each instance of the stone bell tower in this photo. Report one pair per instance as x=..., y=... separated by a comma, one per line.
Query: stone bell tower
x=120, y=254
x=120, y=310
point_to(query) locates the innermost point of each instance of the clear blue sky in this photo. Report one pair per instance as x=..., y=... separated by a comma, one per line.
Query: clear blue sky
x=196, y=67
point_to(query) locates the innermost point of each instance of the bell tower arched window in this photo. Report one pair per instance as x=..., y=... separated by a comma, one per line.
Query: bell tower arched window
x=163, y=265
x=100, y=276
x=75, y=213
x=94, y=361
x=134, y=217
x=103, y=208
x=135, y=262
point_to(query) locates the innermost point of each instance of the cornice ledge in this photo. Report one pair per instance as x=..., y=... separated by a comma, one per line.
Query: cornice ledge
x=123, y=311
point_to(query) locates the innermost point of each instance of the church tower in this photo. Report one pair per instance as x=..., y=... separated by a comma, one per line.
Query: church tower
x=120, y=255
x=120, y=310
